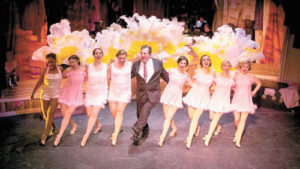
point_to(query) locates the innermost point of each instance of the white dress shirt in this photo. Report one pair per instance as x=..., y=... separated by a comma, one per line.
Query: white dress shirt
x=150, y=69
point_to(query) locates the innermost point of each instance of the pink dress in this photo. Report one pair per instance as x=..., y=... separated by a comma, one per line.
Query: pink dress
x=96, y=87
x=120, y=84
x=172, y=94
x=71, y=93
x=220, y=100
x=199, y=96
x=242, y=98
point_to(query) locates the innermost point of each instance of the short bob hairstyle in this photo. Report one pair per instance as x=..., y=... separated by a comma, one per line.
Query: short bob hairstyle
x=94, y=51
x=181, y=58
x=226, y=61
x=121, y=52
x=51, y=55
x=75, y=57
x=248, y=62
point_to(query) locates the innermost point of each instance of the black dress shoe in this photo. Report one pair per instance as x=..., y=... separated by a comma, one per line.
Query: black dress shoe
x=135, y=142
x=145, y=134
x=42, y=144
x=145, y=131
x=135, y=138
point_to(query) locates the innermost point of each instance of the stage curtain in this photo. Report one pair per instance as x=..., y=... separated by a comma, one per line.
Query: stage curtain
x=34, y=17
x=274, y=32
x=149, y=7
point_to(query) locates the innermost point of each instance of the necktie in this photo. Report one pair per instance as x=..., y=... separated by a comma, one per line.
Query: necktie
x=145, y=72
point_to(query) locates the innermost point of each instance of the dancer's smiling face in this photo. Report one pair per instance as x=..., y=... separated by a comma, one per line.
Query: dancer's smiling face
x=205, y=61
x=182, y=64
x=145, y=55
x=226, y=66
x=98, y=55
x=245, y=68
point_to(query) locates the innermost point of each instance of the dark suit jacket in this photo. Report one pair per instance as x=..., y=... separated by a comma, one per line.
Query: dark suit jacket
x=150, y=90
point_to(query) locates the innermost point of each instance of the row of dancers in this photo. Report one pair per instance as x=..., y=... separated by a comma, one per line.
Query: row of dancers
x=198, y=99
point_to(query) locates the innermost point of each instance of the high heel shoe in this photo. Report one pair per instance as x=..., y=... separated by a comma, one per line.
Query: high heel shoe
x=112, y=135
x=234, y=139
x=114, y=140
x=173, y=132
x=43, y=140
x=188, y=143
x=217, y=131
x=52, y=132
x=57, y=141
x=74, y=129
x=238, y=142
x=84, y=141
x=160, y=141
x=205, y=137
x=97, y=130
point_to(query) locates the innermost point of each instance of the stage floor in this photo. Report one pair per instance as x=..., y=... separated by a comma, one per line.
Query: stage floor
x=271, y=140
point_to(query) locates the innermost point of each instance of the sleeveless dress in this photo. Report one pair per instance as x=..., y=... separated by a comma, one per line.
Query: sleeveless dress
x=172, y=94
x=71, y=93
x=96, y=87
x=242, y=98
x=220, y=100
x=51, y=86
x=199, y=96
x=120, y=84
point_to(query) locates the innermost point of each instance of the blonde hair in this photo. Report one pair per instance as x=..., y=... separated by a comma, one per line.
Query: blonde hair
x=121, y=52
x=248, y=62
x=226, y=61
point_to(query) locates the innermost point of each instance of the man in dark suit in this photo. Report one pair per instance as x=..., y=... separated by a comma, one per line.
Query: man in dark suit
x=147, y=71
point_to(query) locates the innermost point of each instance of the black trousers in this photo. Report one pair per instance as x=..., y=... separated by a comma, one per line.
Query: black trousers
x=143, y=112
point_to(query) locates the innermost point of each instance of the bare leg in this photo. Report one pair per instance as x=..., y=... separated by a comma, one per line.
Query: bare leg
x=93, y=116
x=240, y=128
x=171, y=110
x=237, y=118
x=174, y=128
x=191, y=112
x=74, y=125
x=97, y=124
x=118, y=122
x=212, y=127
x=193, y=127
x=211, y=116
x=67, y=113
x=113, y=108
x=50, y=118
x=44, y=107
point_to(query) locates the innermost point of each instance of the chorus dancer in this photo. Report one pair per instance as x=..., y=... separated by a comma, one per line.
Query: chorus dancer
x=71, y=95
x=96, y=93
x=220, y=100
x=198, y=97
x=119, y=95
x=172, y=96
x=49, y=79
x=242, y=103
